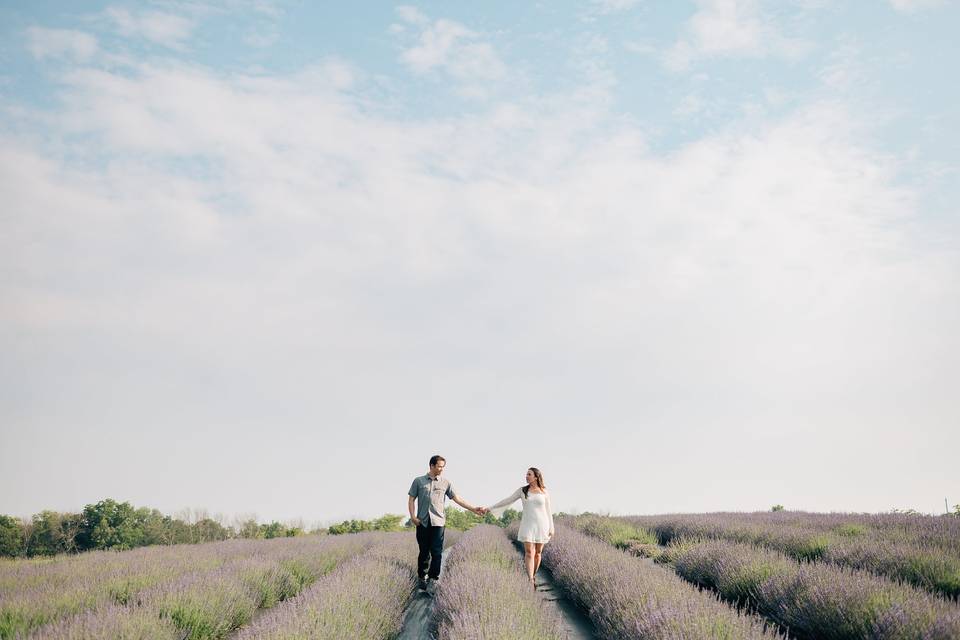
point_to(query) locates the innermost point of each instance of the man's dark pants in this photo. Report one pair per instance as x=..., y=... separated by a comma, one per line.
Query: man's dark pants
x=430, y=540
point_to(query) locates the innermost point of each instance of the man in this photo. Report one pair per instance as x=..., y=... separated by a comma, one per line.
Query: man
x=430, y=493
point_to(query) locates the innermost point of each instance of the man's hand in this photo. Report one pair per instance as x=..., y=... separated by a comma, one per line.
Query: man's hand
x=480, y=511
x=415, y=520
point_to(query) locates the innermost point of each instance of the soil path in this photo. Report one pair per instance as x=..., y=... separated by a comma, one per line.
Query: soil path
x=416, y=622
x=576, y=624
x=419, y=613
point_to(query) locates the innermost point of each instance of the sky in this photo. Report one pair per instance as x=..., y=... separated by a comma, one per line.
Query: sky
x=265, y=258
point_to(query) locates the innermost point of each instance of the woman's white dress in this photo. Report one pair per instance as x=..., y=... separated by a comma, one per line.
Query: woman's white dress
x=536, y=524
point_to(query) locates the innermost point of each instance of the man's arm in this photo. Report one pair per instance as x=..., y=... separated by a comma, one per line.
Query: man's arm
x=410, y=510
x=466, y=505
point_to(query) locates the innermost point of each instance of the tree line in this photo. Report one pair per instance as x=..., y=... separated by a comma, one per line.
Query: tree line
x=456, y=519
x=109, y=524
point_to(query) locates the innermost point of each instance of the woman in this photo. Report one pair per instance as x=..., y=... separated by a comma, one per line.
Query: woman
x=536, y=524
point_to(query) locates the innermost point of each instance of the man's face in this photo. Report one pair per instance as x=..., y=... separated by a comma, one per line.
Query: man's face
x=437, y=469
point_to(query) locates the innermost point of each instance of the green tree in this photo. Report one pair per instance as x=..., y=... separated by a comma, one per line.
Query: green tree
x=776, y=507
x=508, y=517
x=351, y=526
x=462, y=520
x=274, y=530
x=12, y=539
x=109, y=524
x=250, y=529
x=388, y=522
x=157, y=528
x=52, y=533
x=208, y=530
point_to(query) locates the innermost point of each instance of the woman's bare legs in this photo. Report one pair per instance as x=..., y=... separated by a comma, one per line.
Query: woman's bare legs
x=529, y=558
x=538, y=551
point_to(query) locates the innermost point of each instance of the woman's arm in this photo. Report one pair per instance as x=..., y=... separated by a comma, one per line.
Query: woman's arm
x=510, y=500
x=549, y=513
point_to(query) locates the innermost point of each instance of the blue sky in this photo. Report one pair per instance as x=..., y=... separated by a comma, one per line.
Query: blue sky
x=707, y=249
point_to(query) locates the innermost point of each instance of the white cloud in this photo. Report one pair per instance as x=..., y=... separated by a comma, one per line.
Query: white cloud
x=412, y=15
x=56, y=43
x=451, y=48
x=272, y=253
x=167, y=29
x=615, y=6
x=735, y=28
x=912, y=6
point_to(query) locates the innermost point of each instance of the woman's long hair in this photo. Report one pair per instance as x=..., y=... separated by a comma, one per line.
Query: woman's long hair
x=538, y=477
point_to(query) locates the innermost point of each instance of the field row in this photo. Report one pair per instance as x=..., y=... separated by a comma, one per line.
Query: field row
x=627, y=597
x=809, y=599
x=705, y=582
x=921, y=550
x=203, y=591
x=484, y=593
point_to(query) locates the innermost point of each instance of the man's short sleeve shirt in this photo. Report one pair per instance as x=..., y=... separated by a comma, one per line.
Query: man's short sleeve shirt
x=431, y=494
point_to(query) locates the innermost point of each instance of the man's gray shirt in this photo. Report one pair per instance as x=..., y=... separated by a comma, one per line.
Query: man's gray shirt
x=431, y=493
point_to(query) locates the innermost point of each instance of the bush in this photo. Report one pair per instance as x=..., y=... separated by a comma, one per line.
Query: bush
x=11, y=537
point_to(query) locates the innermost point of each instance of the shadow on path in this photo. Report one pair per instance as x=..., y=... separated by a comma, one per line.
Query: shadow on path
x=419, y=613
x=416, y=622
x=576, y=624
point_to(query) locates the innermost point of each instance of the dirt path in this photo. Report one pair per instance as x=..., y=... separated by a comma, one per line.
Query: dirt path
x=416, y=622
x=417, y=618
x=576, y=624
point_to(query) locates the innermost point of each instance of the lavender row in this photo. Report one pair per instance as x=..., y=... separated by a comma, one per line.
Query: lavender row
x=37, y=592
x=816, y=600
x=485, y=594
x=203, y=603
x=896, y=556
x=363, y=598
x=942, y=532
x=110, y=621
x=627, y=597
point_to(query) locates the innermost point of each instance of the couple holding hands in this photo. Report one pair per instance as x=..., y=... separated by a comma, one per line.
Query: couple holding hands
x=430, y=492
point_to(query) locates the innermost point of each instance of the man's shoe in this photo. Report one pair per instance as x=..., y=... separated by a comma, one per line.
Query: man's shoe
x=422, y=584
x=432, y=587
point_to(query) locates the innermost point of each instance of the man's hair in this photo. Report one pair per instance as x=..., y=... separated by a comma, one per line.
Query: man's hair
x=435, y=459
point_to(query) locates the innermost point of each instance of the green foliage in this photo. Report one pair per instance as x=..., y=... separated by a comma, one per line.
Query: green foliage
x=12, y=542
x=776, y=507
x=250, y=529
x=619, y=533
x=388, y=522
x=812, y=548
x=52, y=533
x=109, y=524
x=277, y=530
x=463, y=520
x=509, y=516
x=207, y=530
x=850, y=530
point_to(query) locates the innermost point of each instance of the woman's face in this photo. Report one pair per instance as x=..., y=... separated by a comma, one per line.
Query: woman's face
x=531, y=479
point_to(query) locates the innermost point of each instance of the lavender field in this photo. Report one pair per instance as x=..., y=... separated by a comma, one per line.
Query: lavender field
x=814, y=575
x=779, y=575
